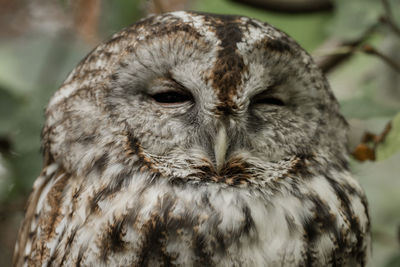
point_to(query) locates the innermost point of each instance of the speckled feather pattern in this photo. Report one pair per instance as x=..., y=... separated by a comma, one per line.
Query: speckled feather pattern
x=130, y=182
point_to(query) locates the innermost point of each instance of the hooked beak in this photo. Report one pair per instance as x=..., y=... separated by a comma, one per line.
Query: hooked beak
x=220, y=146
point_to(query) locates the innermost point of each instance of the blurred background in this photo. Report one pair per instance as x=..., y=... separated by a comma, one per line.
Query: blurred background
x=356, y=43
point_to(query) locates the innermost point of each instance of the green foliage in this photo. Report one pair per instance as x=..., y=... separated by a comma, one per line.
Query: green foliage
x=28, y=78
x=8, y=108
x=353, y=18
x=365, y=107
x=394, y=261
x=120, y=14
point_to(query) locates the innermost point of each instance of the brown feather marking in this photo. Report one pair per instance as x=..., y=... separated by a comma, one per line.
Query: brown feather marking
x=301, y=167
x=155, y=234
x=112, y=238
x=134, y=148
x=25, y=234
x=108, y=191
x=229, y=67
x=358, y=250
x=50, y=219
x=322, y=222
x=54, y=199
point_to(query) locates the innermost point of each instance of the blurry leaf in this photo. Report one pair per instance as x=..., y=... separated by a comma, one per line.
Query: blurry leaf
x=20, y=66
x=365, y=107
x=8, y=109
x=25, y=169
x=391, y=145
x=366, y=150
x=363, y=152
x=394, y=261
x=29, y=77
x=353, y=18
x=5, y=180
x=359, y=127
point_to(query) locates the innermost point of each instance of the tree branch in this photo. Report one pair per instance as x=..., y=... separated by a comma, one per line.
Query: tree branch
x=368, y=49
x=388, y=17
x=339, y=51
x=291, y=6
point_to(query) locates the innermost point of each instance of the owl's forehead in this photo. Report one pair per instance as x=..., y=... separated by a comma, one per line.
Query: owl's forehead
x=230, y=43
x=227, y=29
x=225, y=49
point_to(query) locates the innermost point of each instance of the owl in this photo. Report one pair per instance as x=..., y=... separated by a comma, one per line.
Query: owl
x=195, y=139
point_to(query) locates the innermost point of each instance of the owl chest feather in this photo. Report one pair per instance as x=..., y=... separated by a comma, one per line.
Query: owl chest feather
x=160, y=223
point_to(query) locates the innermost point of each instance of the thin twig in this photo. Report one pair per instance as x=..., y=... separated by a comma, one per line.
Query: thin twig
x=387, y=8
x=365, y=151
x=339, y=51
x=368, y=49
x=388, y=17
x=391, y=24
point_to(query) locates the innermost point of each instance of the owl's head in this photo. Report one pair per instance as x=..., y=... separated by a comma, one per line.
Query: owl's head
x=194, y=96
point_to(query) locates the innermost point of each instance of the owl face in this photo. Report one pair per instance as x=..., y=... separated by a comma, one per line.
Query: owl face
x=196, y=92
x=219, y=88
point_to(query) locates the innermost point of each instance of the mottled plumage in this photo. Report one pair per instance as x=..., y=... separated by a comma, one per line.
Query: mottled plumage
x=194, y=139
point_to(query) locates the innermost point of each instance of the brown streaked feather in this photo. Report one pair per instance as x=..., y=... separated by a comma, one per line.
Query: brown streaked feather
x=26, y=233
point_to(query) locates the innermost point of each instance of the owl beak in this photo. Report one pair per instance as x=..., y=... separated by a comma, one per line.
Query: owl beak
x=220, y=146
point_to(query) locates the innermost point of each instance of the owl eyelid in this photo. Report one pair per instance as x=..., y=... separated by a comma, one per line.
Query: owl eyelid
x=172, y=97
x=267, y=98
x=270, y=101
x=173, y=93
